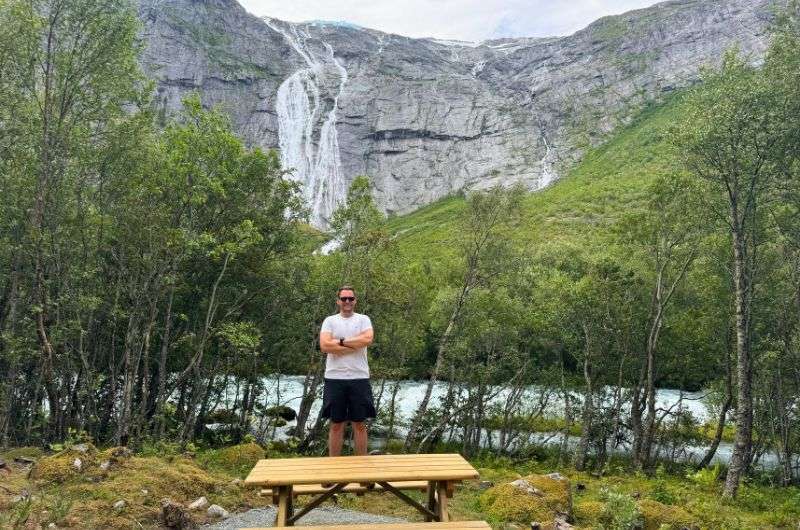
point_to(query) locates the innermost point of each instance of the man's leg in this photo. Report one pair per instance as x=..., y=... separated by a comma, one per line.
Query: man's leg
x=360, y=437
x=335, y=438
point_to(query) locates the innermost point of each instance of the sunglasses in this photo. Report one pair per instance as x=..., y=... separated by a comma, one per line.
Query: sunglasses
x=347, y=298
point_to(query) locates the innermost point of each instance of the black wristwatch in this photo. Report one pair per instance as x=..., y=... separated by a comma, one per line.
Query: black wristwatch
x=341, y=341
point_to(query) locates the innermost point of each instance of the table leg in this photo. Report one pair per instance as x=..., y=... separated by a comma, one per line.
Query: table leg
x=431, y=499
x=283, y=506
x=441, y=508
x=290, y=507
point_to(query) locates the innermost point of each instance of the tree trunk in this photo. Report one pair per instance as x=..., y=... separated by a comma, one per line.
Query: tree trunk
x=161, y=397
x=422, y=409
x=744, y=401
x=723, y=414
x=564, y=447
x=587, y=415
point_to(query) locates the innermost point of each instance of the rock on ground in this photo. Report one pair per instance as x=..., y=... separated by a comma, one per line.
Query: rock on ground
x=173, y=515
x=324, y=515
x=199, y=504
x=215, y=510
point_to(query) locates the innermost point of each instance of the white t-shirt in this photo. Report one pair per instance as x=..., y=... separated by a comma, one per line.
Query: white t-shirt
x=347, y=365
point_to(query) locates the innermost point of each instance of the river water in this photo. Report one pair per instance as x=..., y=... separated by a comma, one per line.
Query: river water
x=287, y=390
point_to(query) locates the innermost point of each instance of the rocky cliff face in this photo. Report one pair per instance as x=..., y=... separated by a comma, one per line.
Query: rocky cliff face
x=425, y=118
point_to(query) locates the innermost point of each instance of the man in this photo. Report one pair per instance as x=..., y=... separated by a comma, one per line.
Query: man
x=347, y=396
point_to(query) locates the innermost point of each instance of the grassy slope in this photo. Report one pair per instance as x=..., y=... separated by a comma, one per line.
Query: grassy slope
x=578, y=208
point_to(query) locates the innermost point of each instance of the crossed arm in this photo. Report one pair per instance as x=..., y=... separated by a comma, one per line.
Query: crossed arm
x=329, y=344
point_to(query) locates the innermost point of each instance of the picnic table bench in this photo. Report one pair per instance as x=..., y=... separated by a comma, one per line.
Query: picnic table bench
x=315, y=489
x=439, y=471
x=452, y=525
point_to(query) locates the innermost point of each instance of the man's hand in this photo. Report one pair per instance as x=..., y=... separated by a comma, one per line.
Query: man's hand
x=361, y=340
x=328, y=344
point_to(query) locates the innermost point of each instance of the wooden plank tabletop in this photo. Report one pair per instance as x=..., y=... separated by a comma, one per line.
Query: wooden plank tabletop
x=372, y=468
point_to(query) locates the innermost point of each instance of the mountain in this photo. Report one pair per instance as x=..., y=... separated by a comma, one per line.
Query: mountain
x=426, y=118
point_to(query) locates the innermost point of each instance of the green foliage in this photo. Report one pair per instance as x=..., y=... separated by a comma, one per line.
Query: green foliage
x=662, y=493
x=708, y=477
x=620, y=511
x=234, y=460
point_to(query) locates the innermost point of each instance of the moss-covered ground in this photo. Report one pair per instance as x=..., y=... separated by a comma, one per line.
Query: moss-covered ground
x=60, y=494
x=55, y=491
x=664, y=501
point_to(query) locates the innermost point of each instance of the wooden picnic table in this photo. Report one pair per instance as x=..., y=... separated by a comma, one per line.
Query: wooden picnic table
x=441, y=471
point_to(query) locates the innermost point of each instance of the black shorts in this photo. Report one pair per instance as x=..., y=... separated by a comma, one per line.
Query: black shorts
x=347, y=400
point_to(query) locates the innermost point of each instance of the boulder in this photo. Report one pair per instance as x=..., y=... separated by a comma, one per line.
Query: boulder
x=121, y=452
x=282, y=411
x=531, y=498
x=561, y=523
x=527, y=487
x=81, y=448
x=77, y=464
x=199, y=504
x=485, y=484
x=173, y=515
x=119, y=505
x=105, y=465
x=215, y=510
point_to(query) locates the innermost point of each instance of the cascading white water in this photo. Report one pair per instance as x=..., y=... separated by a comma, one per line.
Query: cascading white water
x=548, y=175
x=316, y=165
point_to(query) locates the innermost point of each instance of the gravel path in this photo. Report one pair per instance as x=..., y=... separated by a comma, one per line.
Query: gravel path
x=324, y=515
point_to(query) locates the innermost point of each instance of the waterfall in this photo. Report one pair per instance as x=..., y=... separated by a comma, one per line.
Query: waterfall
x=548, y=175
x=316, y=165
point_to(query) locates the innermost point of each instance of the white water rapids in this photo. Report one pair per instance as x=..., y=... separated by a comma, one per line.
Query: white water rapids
x=311, y=152
x=287, y=390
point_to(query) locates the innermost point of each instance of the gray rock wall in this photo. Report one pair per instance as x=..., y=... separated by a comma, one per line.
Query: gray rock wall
x=425, y=119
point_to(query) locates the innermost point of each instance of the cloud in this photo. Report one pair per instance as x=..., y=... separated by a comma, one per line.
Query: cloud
x=473, y=20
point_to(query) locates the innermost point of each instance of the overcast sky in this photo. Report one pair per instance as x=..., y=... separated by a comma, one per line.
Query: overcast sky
x=472, y=20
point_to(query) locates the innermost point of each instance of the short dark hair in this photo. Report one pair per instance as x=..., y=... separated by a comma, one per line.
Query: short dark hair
x=345, y=288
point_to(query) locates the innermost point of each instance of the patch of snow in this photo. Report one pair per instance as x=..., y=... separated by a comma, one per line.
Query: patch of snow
x=453, y=42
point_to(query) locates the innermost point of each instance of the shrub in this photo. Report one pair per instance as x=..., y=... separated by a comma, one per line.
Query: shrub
x=236, y=460
x=620, y=512
x=706, y=477
x=661, y=492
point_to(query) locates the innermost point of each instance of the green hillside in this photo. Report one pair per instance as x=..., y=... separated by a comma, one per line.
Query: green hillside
x=609, y=181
